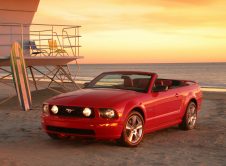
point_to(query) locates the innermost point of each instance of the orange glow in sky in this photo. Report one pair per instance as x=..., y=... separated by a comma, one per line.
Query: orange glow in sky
x=143, y=31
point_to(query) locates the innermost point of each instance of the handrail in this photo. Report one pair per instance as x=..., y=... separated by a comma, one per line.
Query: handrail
x=6, y=34
x=18, y=24
x=67, y=39
x=69, y=42
x=76, y=38
x=42, y=31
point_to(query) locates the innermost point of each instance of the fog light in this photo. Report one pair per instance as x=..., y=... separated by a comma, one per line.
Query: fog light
x=87, y=112
x=54, y=109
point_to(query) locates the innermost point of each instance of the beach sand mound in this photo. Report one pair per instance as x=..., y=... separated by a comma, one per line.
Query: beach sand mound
x=22, y=141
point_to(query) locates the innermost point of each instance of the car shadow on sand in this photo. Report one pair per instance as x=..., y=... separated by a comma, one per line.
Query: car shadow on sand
x=161, y=135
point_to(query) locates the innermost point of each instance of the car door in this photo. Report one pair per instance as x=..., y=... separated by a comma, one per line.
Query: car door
x=163, y=108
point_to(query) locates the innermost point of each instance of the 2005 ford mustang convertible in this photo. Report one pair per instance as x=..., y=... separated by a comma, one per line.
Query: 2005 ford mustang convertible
x=123, y=106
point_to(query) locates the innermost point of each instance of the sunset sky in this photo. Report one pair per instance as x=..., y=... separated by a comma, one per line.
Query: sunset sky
x=143, y=31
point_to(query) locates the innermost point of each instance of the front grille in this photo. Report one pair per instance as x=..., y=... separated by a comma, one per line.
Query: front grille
x=70, y=111
x=70, y=130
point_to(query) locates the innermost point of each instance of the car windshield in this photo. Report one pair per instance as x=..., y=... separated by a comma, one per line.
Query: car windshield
x=135, y=82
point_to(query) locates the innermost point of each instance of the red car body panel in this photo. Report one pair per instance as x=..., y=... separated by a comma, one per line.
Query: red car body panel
x=159, y=109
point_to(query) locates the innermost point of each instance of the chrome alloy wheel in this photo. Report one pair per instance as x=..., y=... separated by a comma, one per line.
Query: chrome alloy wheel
x=134, y=129
x=191, y=116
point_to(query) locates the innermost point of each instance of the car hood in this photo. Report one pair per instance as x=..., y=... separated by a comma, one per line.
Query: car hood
x=94, y=97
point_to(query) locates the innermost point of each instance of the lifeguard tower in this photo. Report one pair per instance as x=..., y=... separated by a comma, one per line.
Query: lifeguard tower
x=49, y=50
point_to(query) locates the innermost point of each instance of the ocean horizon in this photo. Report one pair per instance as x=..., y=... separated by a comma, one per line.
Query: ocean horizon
x=210, y=74
x=206, y=74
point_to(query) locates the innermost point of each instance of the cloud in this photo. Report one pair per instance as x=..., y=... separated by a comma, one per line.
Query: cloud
x=186, y=2
x=152, y=15
x=148, y=28
x=165, y=3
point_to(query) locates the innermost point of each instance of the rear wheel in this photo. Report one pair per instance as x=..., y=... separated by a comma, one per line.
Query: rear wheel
x=133, y=130
x=190, y=117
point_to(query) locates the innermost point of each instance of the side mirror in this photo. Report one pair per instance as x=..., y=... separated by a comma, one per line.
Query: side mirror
x=86, y=84
x=160, y=88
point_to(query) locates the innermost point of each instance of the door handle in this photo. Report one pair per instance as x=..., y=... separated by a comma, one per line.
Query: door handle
x=177, y=95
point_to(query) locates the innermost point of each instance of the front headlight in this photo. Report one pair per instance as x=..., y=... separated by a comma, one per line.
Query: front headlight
x=107, y=113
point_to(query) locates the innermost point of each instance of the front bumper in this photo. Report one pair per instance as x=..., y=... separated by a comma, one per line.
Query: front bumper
x=94, y=127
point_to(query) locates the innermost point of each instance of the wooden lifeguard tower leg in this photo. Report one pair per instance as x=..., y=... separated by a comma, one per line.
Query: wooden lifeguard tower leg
x=33, y=77
x=7, y=83
x=68, y=75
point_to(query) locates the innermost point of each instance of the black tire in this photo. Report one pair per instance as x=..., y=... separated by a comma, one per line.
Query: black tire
x=53, y=136
x=190, y=117
x=133, y=130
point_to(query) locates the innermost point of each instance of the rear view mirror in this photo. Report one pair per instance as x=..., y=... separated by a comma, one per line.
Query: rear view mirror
x=160, y=88
x=86, y=84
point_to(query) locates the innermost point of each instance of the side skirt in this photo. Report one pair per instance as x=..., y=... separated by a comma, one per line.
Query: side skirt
x=163, y=126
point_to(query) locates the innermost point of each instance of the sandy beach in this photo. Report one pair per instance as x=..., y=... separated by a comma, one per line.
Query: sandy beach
x=144, y=46
x=23, y=143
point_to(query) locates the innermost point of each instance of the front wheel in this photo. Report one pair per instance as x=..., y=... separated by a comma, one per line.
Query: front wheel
x=133, y=130
x=53, y=136
x=190, y=117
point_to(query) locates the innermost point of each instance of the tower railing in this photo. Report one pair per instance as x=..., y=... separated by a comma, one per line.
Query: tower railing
x=40, y=39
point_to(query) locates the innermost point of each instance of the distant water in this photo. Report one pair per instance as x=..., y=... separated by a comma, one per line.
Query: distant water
x=207, y=74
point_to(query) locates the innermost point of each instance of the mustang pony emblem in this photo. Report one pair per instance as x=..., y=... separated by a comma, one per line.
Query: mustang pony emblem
x=69, y=110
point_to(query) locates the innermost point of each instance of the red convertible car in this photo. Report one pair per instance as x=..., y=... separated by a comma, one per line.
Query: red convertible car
x=123, y=106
